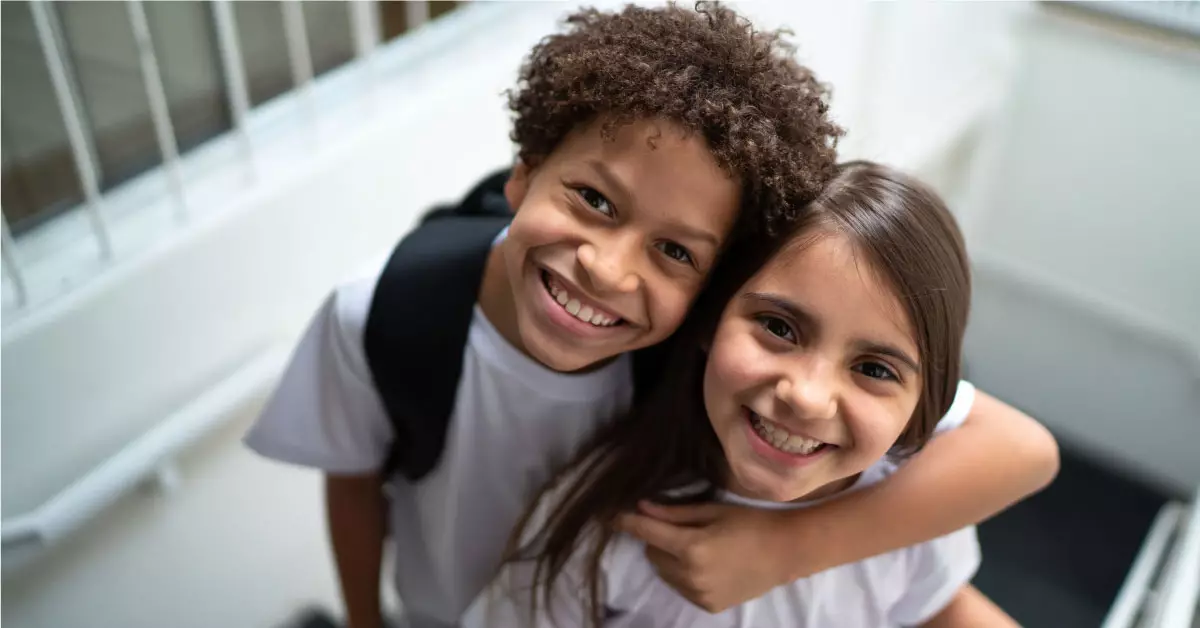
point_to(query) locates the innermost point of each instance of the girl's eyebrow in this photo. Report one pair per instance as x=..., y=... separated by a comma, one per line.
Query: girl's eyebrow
x=802, y=317
x=791, y=309
x=867, y=346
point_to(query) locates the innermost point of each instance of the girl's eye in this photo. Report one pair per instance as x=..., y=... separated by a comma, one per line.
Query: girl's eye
x=875, y=370
x=676, y=252
x=777, y=327
x=596, y=201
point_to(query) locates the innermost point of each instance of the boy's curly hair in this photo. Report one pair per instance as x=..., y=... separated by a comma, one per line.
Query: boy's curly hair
x=762, y=114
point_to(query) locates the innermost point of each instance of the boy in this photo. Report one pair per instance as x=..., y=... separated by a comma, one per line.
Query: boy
x=649, y=139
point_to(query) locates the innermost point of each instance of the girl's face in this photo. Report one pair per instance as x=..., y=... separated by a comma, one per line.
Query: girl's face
x=812, y=374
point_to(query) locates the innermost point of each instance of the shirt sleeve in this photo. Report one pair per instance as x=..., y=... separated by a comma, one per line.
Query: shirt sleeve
x=937, y=570
x=960, y=408
x=325, y=412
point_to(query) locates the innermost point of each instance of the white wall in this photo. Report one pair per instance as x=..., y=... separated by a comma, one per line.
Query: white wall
x=242, y=542
x=1093, y=186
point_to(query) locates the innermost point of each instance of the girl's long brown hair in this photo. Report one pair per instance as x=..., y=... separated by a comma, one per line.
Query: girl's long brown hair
x=666, y=441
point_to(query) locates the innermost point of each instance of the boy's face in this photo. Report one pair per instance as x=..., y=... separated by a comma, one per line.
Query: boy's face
x=612, y=240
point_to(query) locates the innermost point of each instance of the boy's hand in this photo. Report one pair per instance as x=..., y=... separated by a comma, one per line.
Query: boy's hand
x=715, y=555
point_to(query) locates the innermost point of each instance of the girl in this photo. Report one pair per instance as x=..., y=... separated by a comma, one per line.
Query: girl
x=807, y=370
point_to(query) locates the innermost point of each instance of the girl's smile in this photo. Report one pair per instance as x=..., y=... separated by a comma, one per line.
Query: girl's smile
x=813, y=372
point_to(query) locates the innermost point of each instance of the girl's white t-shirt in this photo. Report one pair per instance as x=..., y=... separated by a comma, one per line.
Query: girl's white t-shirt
x=901, y=588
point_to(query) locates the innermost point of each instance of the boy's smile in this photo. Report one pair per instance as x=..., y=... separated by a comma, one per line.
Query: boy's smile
x=612, y=240
x=578, y=306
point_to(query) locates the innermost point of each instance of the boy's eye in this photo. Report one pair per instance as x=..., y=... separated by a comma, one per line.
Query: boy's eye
x=596, y=201
x=676, y=252
x=777, y=327
x=875, y=370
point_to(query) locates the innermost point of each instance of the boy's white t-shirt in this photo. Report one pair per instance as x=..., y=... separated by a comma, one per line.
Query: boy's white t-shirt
x=515, y=423
x=906, y=587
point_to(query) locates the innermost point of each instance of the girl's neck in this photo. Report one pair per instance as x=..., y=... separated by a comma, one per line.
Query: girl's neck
x=822, y=492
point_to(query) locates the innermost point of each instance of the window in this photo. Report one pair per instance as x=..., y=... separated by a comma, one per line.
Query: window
x=107, y=88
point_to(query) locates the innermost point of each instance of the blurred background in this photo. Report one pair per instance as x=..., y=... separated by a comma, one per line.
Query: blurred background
x=183, y=182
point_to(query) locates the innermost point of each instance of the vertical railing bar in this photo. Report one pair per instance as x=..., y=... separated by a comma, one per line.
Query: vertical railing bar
x=299, y=55
x=160, y=113
x=11, y=267
x=68, y=107
x=364, y=24
x=235, y=74
x=416, y=13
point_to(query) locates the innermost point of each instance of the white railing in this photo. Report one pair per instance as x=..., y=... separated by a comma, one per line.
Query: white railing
x=365, y=32
x=84, y=154
x=1180, y=590
x=1162, y=588
x=233, y=68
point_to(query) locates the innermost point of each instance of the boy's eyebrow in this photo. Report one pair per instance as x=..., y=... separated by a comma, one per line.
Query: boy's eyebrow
x=808, y=320
x=611, y=180
x=698, y=234
x=617, y=188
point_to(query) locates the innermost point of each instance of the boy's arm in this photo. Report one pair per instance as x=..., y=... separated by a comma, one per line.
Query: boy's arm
x=719, y=555
x=971, y=609
x=356, y=509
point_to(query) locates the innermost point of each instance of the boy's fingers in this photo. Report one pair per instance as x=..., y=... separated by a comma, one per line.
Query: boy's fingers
x=665, y=536
x=686, y=514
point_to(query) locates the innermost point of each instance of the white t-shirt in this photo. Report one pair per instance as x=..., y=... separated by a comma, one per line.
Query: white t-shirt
x=514, y=424
x=901, y=588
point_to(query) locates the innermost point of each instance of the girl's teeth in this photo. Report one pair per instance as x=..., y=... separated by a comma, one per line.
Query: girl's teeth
x=561, y=298
x=586, y=313
x=599, y=319
x=782, y=440
x=573, y=306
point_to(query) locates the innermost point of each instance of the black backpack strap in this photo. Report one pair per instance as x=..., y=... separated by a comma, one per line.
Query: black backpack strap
x=420, y=314
x=486, y=199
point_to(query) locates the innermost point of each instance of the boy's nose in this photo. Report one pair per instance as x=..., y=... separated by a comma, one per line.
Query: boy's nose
x=610, y=270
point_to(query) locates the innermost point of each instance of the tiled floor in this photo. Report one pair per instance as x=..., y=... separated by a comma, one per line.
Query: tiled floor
x=1058, y=559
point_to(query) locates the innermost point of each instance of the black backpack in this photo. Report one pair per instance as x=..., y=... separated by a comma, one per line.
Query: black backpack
x=420, y=314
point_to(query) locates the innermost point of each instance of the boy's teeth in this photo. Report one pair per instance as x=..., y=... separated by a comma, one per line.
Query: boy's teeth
x=782, y=440
x=585, y=313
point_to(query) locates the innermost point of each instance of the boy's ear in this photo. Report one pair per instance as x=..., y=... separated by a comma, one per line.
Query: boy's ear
x=517, y=185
